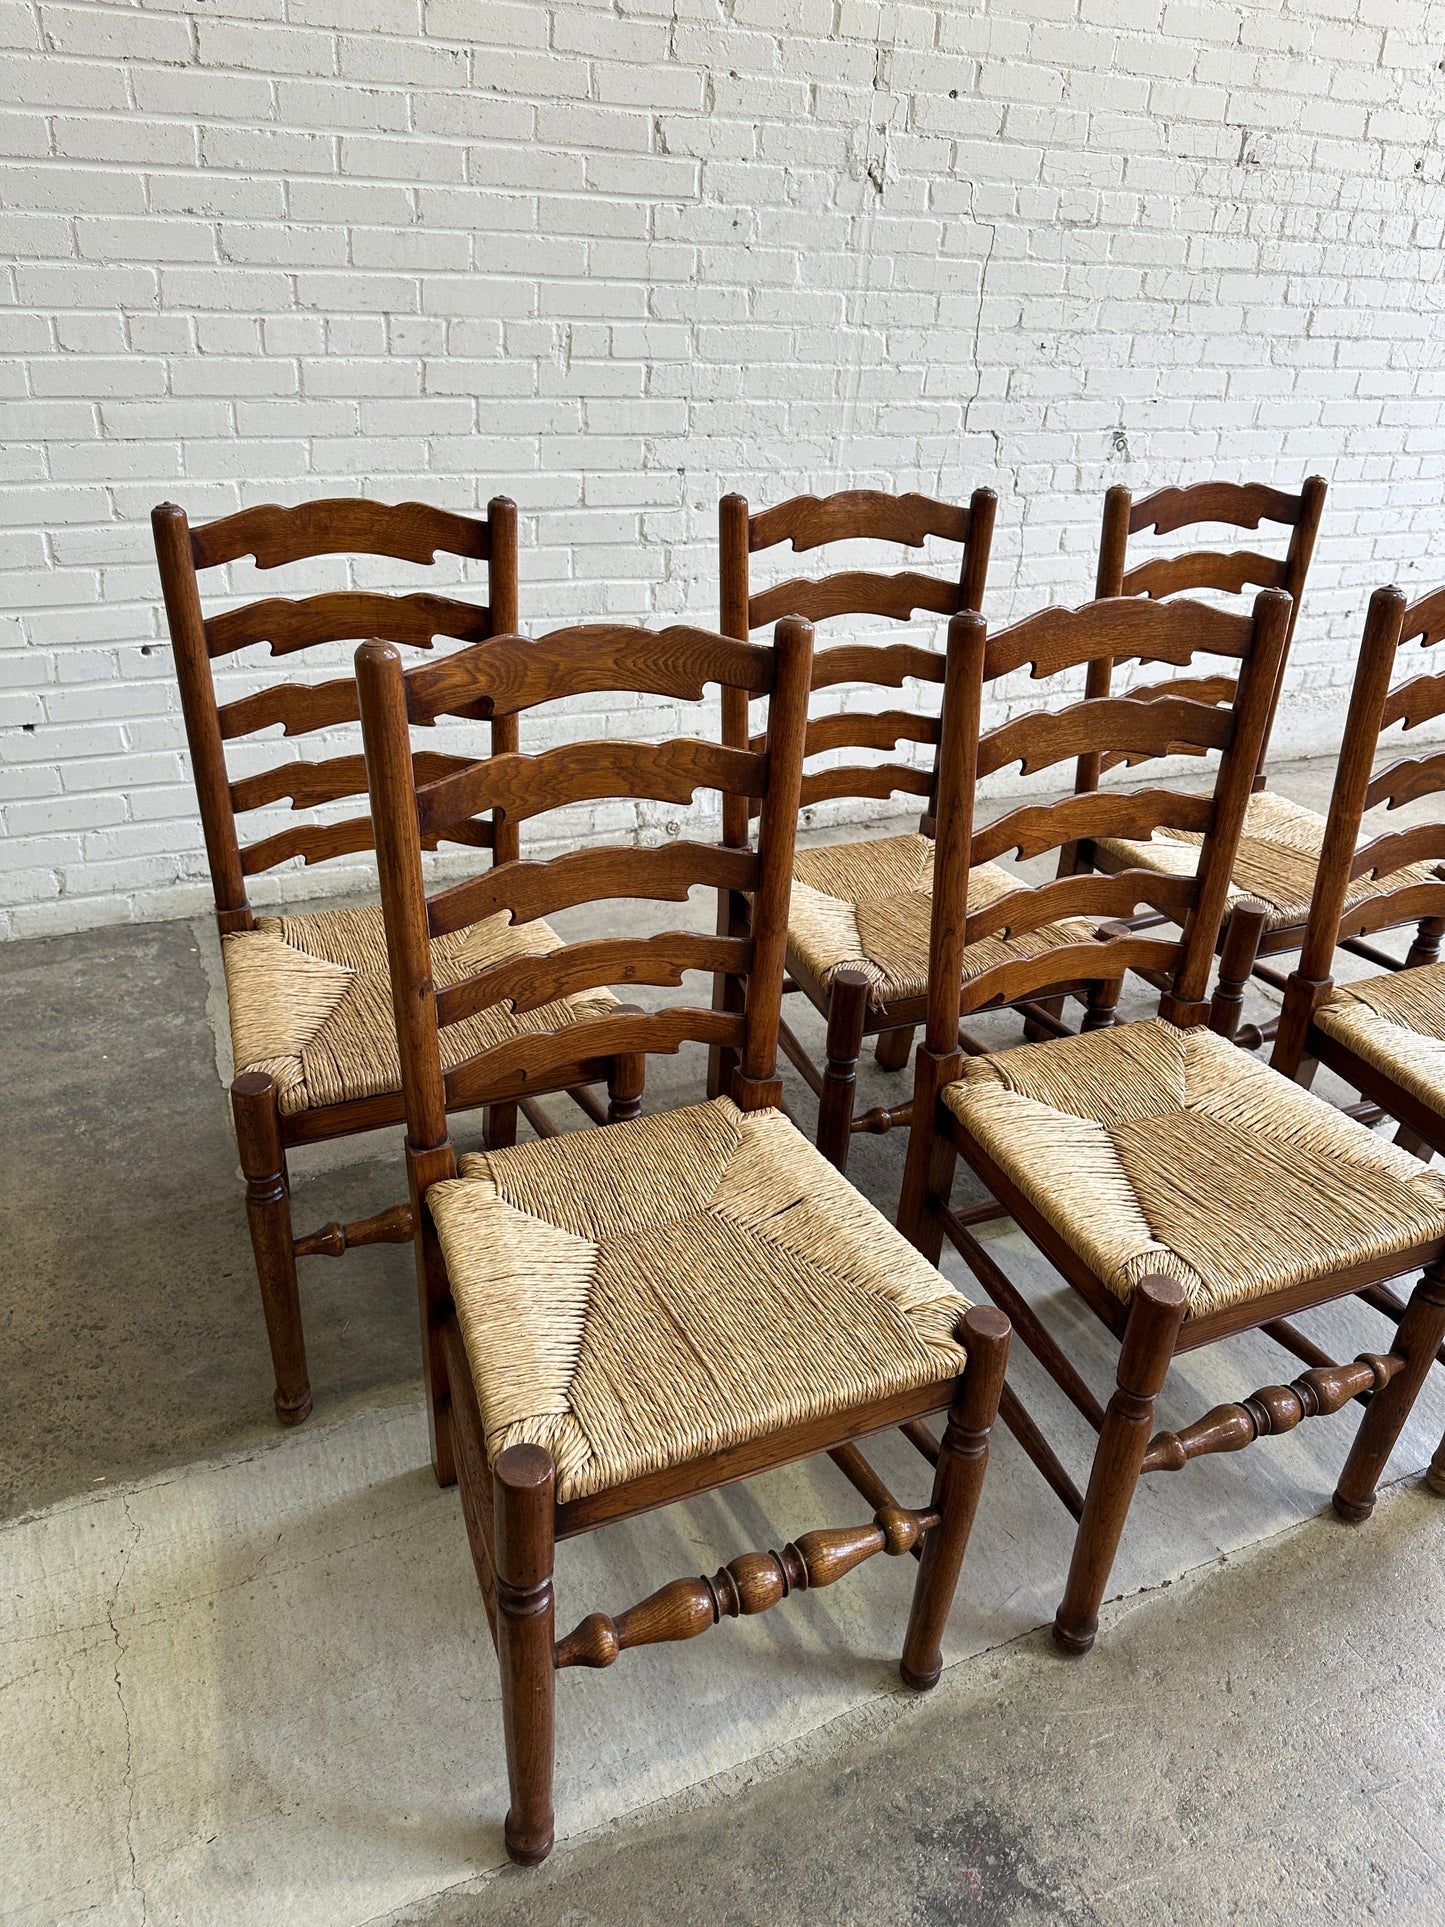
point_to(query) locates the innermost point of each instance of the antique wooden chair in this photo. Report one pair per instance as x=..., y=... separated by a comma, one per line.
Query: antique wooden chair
x=620, y=1318
x=310, y=1009
x=844, y=952
x=1384, y=1035
x=1182, y=1188
x=1281, y=840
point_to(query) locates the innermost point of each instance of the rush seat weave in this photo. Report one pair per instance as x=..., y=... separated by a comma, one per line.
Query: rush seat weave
x=866, y=906
x=1153, y=1150
x=310, y=1001
x=1278, y=855
x=640, y=1296
x=1395, y=1022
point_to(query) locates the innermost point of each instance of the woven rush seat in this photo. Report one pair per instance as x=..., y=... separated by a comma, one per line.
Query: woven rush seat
x=1396, y=1023
x=866, y=906
x=640, y=1296
x=1278, y=855
x=1153, y=1150
x=310, y=1001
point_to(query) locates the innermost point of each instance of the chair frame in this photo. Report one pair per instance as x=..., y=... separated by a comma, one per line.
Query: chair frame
x=275, y=536
x=810, y=522
x=1300, y=1045
x=1239, y=505
x=1152, y=1328
x=512, y=1516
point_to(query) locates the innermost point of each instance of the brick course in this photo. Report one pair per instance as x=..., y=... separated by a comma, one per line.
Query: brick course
x=615, y=259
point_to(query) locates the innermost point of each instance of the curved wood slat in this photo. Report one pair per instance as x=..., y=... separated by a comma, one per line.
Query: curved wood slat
x=1425, y=618
x=1243, y=505
x=532, y=889
x=1033, y=828
x=1207, y=689
x=854, y=592
x=1392, y=907
x=856, y=513
x=1414, y=702
x=312, y=842
x=1166, y=575
x=1403, y=782
x=1382, y=857
x=346, y=617
x=318, y=842
x=509, y=673
x=307, y=784
x=525, y=786
x=1038, y=741
x=524, y=1063
x=1093, y=962
x=1087, y=895
x=857, y=779
x=1200, y=689
x=298, y=707
x=407, y=531
x=529, y=982
x=888, y=664
x=856, y=730
x=1120, y=628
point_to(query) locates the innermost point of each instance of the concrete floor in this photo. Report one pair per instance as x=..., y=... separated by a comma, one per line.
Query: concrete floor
x=244, y=1675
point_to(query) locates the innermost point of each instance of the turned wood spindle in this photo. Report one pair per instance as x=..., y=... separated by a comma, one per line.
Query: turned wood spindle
x=749, y=1584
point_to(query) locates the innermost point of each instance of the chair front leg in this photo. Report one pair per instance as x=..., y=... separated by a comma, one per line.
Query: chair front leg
x=268, y=1210
x=526, y=1643
x=1426, y=947
x=626, y=1080
x=957, y=1483
x=1416, y=1342
x=499, y=1127
x=1238, y=955
x=847, y=1014
x=1102, y=1005
x=1155, y=1316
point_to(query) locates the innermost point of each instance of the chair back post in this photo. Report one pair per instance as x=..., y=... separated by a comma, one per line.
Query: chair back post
x=1312, y=980
x=1383, y=623
x=756, y=1084
x=732, y=515
x=1254, y=697
x=953, y=830
x=502, y=603
x=181, y=592
x=1113, y=545
x=977, y=548
x=381, y=687
x=1296, y=568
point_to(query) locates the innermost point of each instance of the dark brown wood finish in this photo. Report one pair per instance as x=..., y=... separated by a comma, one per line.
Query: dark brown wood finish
x=1236, y=505
x=1154, y=1326
x=513, y=1545
x=412, y=532
x=1375, y=706
x=809, y=522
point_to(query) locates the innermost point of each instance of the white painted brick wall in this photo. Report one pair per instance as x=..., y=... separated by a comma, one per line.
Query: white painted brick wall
x=615, y=259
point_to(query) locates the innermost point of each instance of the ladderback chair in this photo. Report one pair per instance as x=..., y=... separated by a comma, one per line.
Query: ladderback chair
x=1182, y=1188
x=1383, y=1034
x=1275, y=867
x=618, y=1318
x=845, y=892
x=309, y=1007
